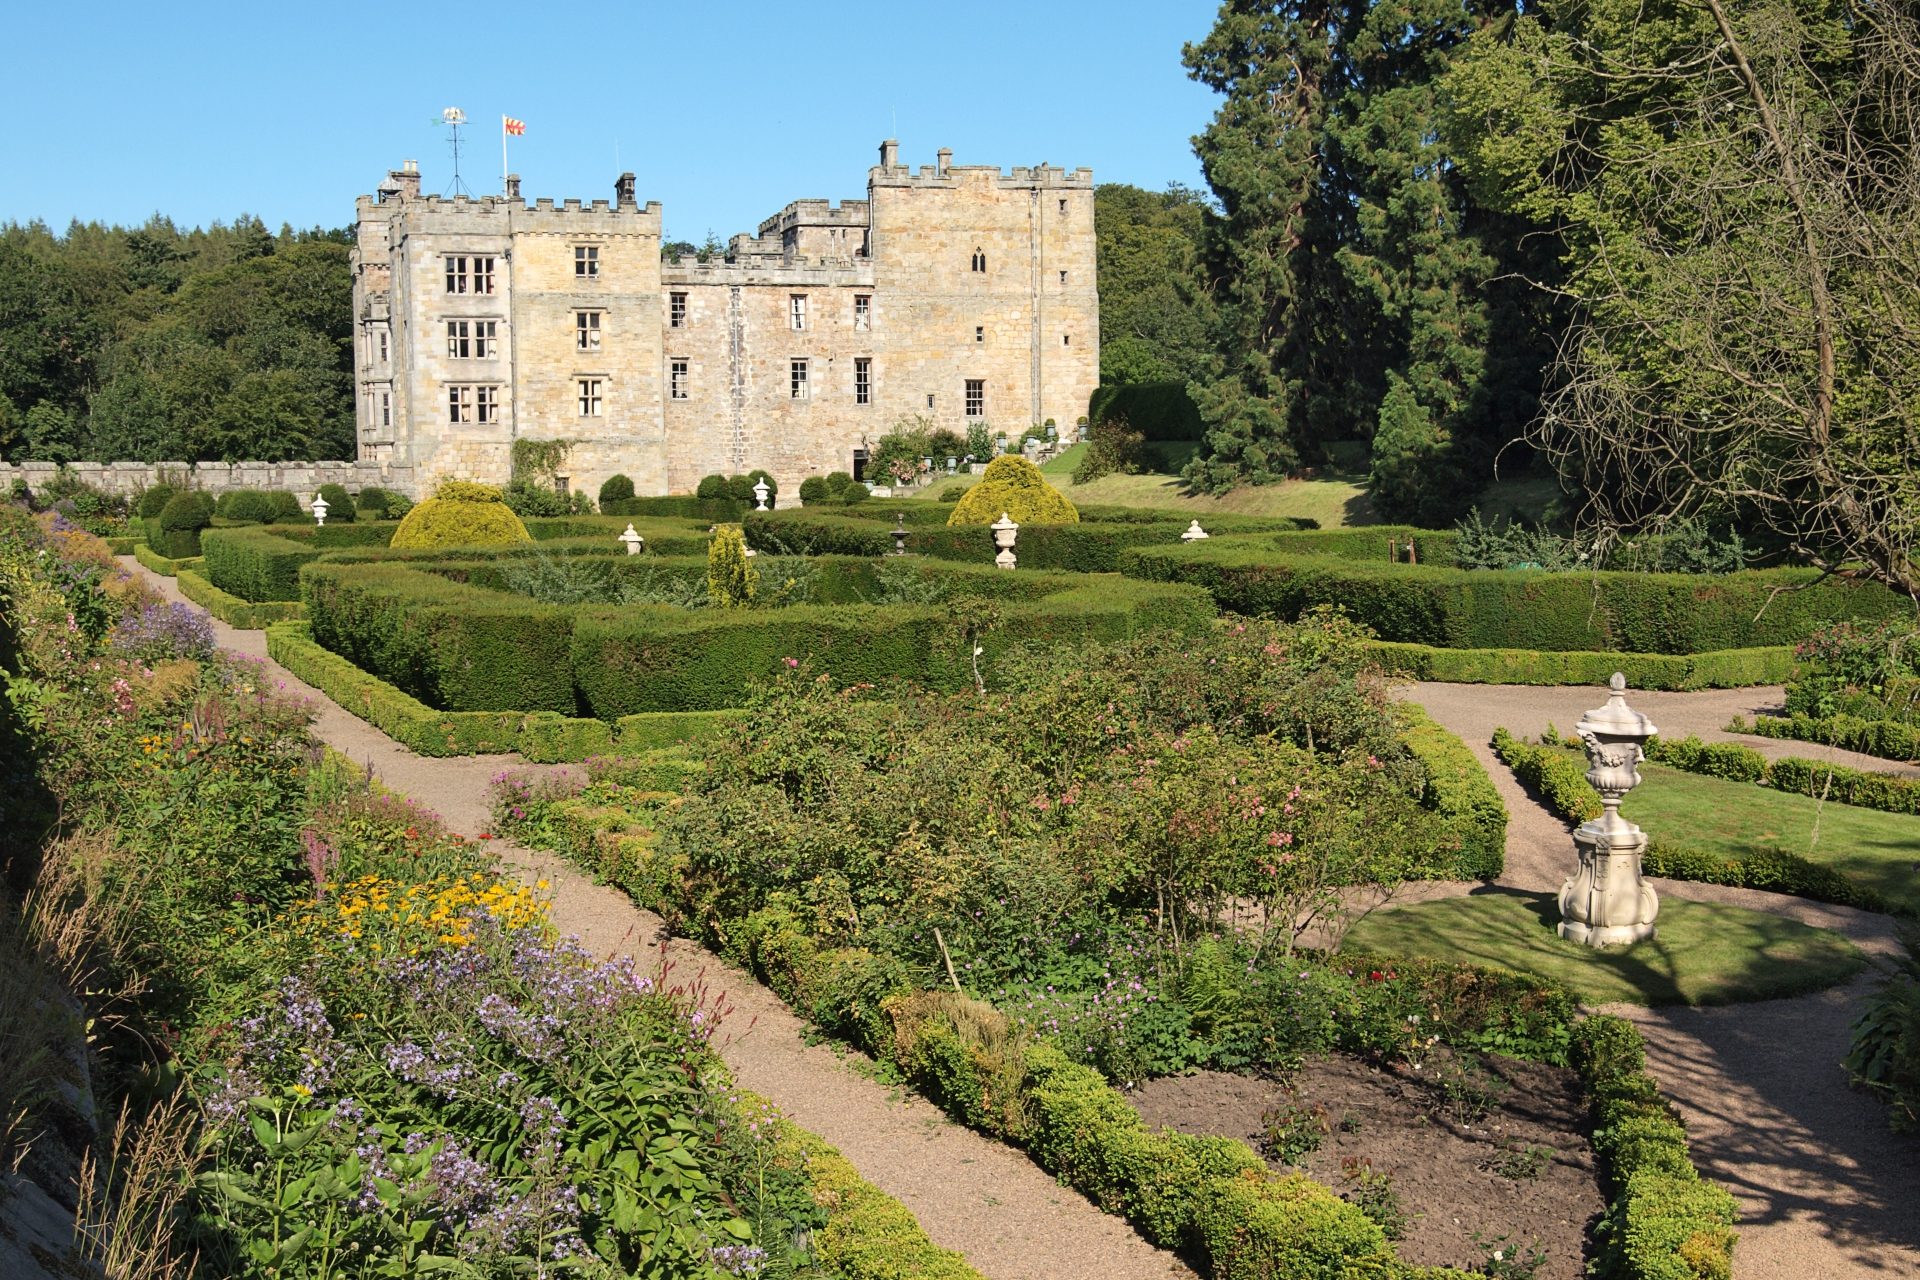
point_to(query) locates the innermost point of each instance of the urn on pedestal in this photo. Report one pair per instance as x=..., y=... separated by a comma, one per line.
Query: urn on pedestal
x=1607, y=902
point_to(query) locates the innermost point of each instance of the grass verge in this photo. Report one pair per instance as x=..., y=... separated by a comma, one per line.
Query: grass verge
x=1703, y=953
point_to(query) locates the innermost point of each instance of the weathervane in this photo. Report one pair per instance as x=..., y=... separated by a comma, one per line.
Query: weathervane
x=453, y=118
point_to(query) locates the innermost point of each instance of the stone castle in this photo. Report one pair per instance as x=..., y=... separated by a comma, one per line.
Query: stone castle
x=952, y=293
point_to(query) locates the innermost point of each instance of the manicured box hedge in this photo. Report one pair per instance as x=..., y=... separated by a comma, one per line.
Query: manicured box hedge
x=1458, y=789
x=1091, y=546
x=542, y=737
x=231, y=609
x=1888, y=739
x=449, y=645
x=715, y=510
x=165, y=566
x=655, y=658
x=1722, y=669
x=1518, y=609
x=456, y=645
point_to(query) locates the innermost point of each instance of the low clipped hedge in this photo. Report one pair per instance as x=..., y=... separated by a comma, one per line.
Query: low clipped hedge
x=654, y=658
x=165, y=566
x=1285, y=574
x=1888, y=739
x=1887, y=792
x=1091, y=546
x=717, y=510
x=1558, y=778
x=1722, y=669
x=868, y=1234
x=1663, y=1221
x=542, y=737
x=231, y=609
x=1458, y=789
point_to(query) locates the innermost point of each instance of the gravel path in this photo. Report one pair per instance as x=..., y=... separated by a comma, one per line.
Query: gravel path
x=970, y=1193
x=1826, y=1190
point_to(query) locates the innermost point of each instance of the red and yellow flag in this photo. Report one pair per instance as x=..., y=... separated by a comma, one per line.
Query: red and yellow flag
x=515, y=127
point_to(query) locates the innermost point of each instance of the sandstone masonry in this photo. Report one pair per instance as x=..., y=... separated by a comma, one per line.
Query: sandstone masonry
x=953, y=293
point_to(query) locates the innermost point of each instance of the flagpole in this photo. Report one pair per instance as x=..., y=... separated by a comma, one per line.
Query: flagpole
x=503, y=155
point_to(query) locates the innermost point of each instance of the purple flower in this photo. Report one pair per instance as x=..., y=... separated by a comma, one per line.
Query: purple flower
x=162, y=631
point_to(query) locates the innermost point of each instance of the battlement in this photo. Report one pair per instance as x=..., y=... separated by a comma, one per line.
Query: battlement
x=399, y=196
x=943, y=173
x=816, y=213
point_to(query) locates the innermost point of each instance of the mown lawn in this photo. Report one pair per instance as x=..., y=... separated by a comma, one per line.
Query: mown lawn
x=1702, y=953
x=1880, y=850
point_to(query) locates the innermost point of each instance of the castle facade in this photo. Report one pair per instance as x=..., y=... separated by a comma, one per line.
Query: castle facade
x=953, y=293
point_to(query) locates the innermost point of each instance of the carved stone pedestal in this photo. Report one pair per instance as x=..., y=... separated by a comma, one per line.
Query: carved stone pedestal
x=1606, y=902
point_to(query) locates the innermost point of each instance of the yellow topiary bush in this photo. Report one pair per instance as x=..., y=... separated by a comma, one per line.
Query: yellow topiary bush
x=1015, y=486
x=461, y=514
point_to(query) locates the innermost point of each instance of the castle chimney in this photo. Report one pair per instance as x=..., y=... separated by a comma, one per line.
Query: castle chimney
x=945, y=157
x=404, y=181
x=890, y=154
x=513, y=186
x=623, y=191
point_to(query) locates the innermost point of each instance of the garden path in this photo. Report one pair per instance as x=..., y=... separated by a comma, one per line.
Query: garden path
x=969, y=1192
x=1826, y=1190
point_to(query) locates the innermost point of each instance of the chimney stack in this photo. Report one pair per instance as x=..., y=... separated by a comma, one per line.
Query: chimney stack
x=890, y=154
x=404, y=181
x=513, y=186
x=623, y=191
x=945, y=157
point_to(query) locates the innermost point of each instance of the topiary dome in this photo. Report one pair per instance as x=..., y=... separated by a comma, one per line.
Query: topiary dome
x=461, y=514
x=1015, y=486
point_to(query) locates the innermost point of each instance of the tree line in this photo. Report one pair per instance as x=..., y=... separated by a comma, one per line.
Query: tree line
x=151, y=343
x=1670, y=247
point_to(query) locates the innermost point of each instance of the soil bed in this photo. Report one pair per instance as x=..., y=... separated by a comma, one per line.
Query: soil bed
x=1454, y=1173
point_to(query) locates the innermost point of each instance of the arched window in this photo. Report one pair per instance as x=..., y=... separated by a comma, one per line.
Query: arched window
x=979, y=259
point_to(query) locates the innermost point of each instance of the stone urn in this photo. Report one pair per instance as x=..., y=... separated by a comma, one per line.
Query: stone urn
x=1004, y=531
x=1607, y=902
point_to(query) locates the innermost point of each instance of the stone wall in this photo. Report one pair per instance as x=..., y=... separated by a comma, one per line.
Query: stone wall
x=303, y=478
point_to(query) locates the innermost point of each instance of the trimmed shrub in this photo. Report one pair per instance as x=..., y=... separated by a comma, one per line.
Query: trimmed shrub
x=252, y=506
x=1550, y=773
x=382, y=504
x=1157, y=410
x=1458, y=789
x=231, y=609
x=615, y=488
x=1884, y=791
x=854, y=493
x=1727, y=760
x=953, y=493
x=740, y=489
x=1722, y=669
x=713, y=486
x=461, y=515
x=339, y=503
x=452, y=646
x=180, y=523
x=813, y=489
x=1013, y=486
x=837, y=482
x=153, y=500
x=1888, y=739
x=1514, y=609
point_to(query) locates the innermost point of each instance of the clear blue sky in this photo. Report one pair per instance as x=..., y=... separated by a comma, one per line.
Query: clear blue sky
x=724, y=111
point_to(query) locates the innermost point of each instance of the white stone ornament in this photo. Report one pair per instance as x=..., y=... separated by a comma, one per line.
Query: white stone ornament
x=759, y=494
x=633, y=540
x=319, y=509
x=1004, y=531
x=1194, y=533
x=1606, y=902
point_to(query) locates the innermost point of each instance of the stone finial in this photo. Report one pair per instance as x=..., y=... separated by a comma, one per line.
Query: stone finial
x=1194, y=533
x=634, y=542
